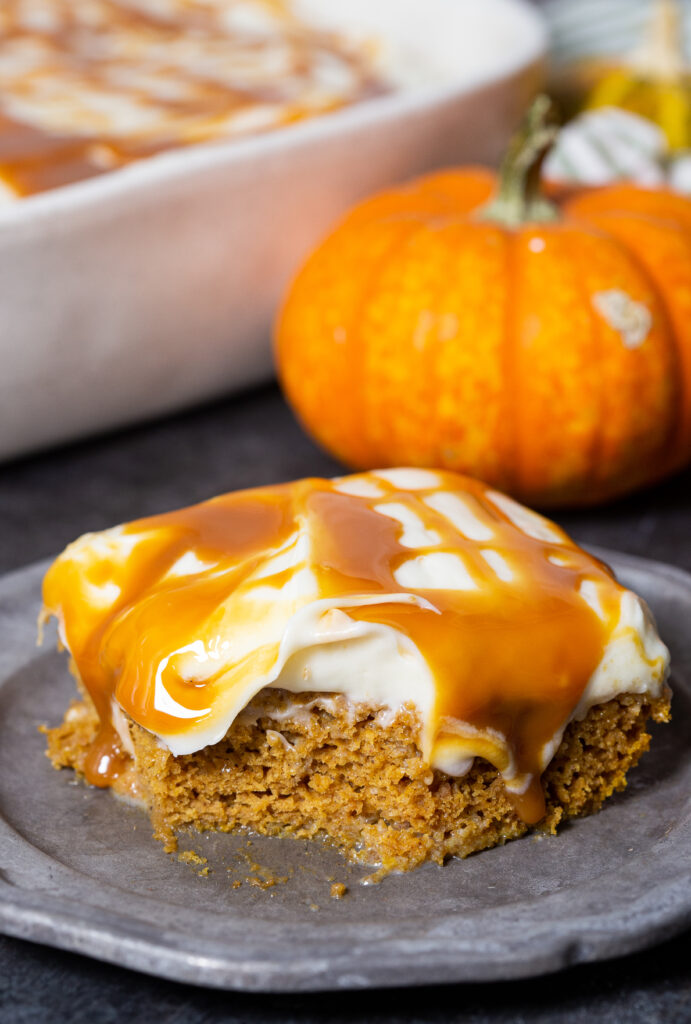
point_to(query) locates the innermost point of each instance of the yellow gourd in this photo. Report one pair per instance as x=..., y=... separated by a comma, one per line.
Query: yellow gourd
x=655, y=82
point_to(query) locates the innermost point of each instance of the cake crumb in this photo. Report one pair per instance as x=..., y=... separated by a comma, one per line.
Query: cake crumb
x=190, y=857
x=263, y=877
x=260, y=883
x=375, y=878
x=338, y=891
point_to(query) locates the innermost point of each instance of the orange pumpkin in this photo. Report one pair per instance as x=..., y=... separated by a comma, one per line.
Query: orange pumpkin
x=471, y=323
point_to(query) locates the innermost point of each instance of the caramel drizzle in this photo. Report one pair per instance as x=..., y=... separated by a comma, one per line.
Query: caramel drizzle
x=509, y=658
x=33, y=158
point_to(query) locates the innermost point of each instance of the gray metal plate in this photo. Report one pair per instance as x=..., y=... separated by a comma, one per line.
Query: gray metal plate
x=80, y=871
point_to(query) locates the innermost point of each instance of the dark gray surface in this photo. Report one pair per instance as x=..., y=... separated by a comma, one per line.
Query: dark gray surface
x=45, y=502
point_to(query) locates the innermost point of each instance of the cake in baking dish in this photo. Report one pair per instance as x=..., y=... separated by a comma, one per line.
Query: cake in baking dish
x=87, y=86
x=405, y=662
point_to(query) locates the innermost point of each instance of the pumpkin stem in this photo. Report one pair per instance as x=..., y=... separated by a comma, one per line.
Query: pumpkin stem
x=518, y=198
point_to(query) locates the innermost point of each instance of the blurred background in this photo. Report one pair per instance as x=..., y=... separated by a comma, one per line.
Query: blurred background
x=167, y=168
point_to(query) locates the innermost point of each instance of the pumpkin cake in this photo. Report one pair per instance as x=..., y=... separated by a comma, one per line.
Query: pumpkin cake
x=90, y=86
x=405, y=662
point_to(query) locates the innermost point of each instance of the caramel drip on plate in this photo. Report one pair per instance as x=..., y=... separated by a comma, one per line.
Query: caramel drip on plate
x=180, y=69
x=502, y=621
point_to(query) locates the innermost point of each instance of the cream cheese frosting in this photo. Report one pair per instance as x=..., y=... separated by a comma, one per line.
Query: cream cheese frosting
x=396, y=588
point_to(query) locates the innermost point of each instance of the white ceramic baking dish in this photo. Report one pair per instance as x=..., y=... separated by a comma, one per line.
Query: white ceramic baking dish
x=154, y=286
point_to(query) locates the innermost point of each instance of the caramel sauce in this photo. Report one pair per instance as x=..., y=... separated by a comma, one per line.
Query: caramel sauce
x=511, y=646
x=180, y=68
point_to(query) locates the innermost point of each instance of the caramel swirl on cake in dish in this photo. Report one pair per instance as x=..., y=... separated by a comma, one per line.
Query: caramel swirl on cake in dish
x=87, y=86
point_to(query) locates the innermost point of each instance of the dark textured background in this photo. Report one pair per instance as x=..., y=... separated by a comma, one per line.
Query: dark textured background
x=48, y=500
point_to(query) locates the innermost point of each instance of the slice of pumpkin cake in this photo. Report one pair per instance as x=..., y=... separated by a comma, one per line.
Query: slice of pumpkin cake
x=404, y=661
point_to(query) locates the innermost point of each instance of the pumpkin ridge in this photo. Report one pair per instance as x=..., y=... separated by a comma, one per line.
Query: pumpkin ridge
x=656, y=464
x=597, y=445
x=434, y=372
x=357, y=395
x=683, y=358
x=512, y=369
x=660, y=459
x=660, y=205
x=551, y=458
x=433, y=226
x=339, y=445
x=681, y=423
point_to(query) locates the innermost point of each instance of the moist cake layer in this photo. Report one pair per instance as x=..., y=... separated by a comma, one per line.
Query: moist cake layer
x=317, y=765
x=401, y=589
